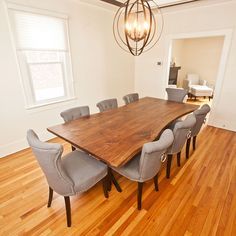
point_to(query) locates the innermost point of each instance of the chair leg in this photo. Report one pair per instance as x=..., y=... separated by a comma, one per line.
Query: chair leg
x=156, y=182
x=187, y=147
x=140, y=190
x=105, y=186
x=178, y=158
x=73, y=148
x=169, y=160
x=50, y=196
x=68, y=211
x=194, y=142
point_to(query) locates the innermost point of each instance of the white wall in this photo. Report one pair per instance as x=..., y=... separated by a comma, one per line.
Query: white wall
x=177, y=57
x=151, y=79
x=198, y=56
x=101, y=70
x=177, y=51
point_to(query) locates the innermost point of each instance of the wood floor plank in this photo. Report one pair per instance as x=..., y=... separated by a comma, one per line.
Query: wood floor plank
x=198, y=199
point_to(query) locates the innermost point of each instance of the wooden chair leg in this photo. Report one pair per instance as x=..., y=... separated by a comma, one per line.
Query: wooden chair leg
x=156, y=182
x=194, y=142
x=187, y=147
x=68, y=211
x=105, y=186
x=50, y=196
x=178, y=158
x=73, y=148
x=140, y=190
x=168, y=167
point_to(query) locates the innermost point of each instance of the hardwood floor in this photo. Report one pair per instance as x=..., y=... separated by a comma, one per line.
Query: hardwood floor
x=198, y=199
x=200, y=101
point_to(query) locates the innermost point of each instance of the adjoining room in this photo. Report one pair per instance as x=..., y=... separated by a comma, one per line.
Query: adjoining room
x=195, y=64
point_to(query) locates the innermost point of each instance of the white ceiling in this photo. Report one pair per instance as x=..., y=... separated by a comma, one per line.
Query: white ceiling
x=166, y=2
x=159, y=2
x=105, y=5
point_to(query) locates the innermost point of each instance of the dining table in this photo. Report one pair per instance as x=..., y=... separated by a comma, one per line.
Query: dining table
x=116, y=136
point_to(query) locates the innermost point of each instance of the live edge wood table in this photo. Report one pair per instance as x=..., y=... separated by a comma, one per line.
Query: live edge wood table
x=115, y=136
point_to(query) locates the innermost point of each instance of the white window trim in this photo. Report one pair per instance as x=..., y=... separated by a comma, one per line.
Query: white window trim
x=50, y=103
x=26, y=85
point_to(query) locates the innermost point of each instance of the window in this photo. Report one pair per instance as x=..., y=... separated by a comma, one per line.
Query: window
x=43, y=54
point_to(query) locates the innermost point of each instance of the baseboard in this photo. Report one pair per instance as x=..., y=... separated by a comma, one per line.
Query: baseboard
x=21, y=144
x=223, y=124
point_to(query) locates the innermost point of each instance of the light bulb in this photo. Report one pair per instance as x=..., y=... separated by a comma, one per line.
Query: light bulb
x=146, y=26
x=128, y=26
x=135, y=24
x=139, y=28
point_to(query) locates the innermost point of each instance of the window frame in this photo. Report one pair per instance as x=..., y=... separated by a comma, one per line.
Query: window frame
x=23, y=65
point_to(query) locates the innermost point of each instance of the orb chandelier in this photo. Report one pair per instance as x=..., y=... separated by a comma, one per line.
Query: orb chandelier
x=137, y=26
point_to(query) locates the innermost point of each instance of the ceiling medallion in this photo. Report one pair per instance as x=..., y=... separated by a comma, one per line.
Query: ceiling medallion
x=138, y=25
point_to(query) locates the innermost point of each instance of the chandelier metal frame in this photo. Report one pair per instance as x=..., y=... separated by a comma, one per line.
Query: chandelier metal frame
x=130, y=41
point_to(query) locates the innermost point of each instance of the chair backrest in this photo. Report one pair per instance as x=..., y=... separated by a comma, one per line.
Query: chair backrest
x=200, y=116
x=129, y=98
x=75, y=113
x=150, y=160
x=108, y=104
x=193, y=78
x=48, y=156
x=181, y=134
x=176, y=94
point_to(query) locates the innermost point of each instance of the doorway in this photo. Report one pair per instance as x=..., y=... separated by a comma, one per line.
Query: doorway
x=194, y=66
x=223, y=39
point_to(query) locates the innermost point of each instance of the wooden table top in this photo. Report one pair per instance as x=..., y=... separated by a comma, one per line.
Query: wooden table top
x=117, y=135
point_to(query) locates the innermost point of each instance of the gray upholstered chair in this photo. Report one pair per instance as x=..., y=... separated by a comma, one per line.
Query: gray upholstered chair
x=76, y=113
x=108, y=104
x=200, y=116
x=181, y=132
x=75, y=173
x=129, y=98
x=176, y=94
x=73, y=114
x=146, y=165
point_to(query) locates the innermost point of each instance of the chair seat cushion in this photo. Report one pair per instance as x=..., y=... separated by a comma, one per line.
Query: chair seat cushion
x=84, y=170
x=131, y=169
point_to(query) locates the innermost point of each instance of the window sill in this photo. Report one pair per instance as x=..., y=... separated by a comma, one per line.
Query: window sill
x=33, y=107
